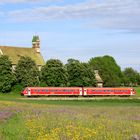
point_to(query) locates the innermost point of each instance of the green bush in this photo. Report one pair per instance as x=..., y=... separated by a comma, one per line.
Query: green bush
x=7, y=78
x=17, y=88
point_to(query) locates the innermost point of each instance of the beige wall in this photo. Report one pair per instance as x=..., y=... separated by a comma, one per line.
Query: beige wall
x=99, y=84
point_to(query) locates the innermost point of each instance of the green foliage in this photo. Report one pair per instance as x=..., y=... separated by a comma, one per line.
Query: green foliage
x=16, y=89
x=54, y=73
x=109, y=71
x=132, y=77
x=7, y=78
x=80, y=74
x=26, y=72
x=43, y=84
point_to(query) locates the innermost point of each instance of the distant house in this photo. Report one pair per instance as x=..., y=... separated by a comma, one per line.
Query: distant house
x=98, y=79
x=15, y=53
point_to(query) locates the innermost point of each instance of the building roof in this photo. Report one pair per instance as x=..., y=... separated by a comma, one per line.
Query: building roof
x=15, y=53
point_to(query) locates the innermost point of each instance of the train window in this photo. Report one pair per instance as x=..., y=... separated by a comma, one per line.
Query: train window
x=38, y=90
x=46, y=90
x=104, y=90
x=42, y=90
x=93, y=90
x=108, y=90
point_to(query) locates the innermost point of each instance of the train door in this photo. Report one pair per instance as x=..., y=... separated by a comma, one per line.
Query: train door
x=29, y=91
x=85, y=91
x=81, y=92
x=131, y=92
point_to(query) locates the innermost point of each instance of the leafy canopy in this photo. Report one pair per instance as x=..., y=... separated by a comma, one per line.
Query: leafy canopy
x=109, y=71
x=26, y=72
x=132, y=77
x=54, y=73
x=80, y=74
x=7, y=78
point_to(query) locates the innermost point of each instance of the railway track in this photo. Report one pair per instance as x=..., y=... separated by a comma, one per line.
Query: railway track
x=78, y=98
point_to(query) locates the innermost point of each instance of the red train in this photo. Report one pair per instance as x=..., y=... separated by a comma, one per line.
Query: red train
x=77, y=91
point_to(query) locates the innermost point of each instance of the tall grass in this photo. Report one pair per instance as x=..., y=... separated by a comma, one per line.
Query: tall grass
x=52, y=122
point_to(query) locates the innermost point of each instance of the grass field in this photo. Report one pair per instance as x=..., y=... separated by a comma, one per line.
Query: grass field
x=138, y=91
x=106, y=119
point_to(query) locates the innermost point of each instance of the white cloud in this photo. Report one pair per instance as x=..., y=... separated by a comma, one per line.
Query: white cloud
x=25, y=1
x=118, y=14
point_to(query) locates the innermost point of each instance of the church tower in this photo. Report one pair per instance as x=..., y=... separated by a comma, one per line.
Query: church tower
x=36, y=43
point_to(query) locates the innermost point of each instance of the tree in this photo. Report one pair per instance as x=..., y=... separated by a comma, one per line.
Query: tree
x=7, y=78
x=54, y=73
x=26, y=72
x=80, y=74
x=132, y=77
x=109, y=71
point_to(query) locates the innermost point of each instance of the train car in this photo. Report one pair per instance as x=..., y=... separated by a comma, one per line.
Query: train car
x=55, y=91
x=109, y=91
x=77, y=91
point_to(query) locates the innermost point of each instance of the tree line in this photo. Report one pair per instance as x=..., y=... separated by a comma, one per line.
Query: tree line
x=56, y=74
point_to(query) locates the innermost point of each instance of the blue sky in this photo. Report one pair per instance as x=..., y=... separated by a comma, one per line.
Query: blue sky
x=79, y=29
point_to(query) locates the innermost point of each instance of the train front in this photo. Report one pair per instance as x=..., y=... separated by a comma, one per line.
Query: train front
x=24, y=92
x=133, y=91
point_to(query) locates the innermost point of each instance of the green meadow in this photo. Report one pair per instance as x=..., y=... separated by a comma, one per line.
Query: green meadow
x=137, y=91
x=39, y=119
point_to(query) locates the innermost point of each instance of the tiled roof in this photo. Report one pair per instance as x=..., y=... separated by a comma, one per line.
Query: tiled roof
x=15, y=53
